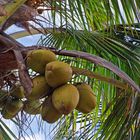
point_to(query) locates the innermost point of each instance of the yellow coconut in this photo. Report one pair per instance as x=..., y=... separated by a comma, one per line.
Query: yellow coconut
x=49, y=113
x=65, y=98
x=87, y=100
x=32, y=107
x=37, y=59
x=17, y=92
x=40, y=88
x=57, y=73
x=13, y=106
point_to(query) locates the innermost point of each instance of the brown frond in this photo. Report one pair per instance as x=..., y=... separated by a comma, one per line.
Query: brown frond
x=23, y=14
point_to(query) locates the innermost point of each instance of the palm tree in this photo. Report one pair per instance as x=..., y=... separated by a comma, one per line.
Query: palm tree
x=100, y=40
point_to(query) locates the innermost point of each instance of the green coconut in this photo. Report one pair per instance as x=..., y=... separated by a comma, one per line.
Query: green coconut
x=65, y=98
x=58, y=73
x=40, y=88
x=37, y=59
x=18, y=92
x=3, y=98
x=7, y=115
x=87, y=100
x=49, y=113
x=13, y=106
x=32, y=107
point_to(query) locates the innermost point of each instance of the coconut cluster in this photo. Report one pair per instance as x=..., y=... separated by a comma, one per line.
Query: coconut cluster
x=52, y=94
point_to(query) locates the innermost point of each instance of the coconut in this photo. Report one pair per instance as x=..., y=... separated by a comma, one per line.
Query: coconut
x=65, y=98
x=3, y=98
x=32, y=107
x=40, y=88
x=13, y=106
x=37, y=59
x=49, y=113
x=87, y=100
x=57, y=73
x=17, y=92
x=7, y=115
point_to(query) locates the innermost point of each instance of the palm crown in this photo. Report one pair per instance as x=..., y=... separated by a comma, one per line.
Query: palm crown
x=100, y=40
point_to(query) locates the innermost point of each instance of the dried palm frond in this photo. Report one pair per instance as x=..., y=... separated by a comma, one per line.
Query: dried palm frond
x=2, y=11
x=22, y=15
x=28, y=12
x=2, y=4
